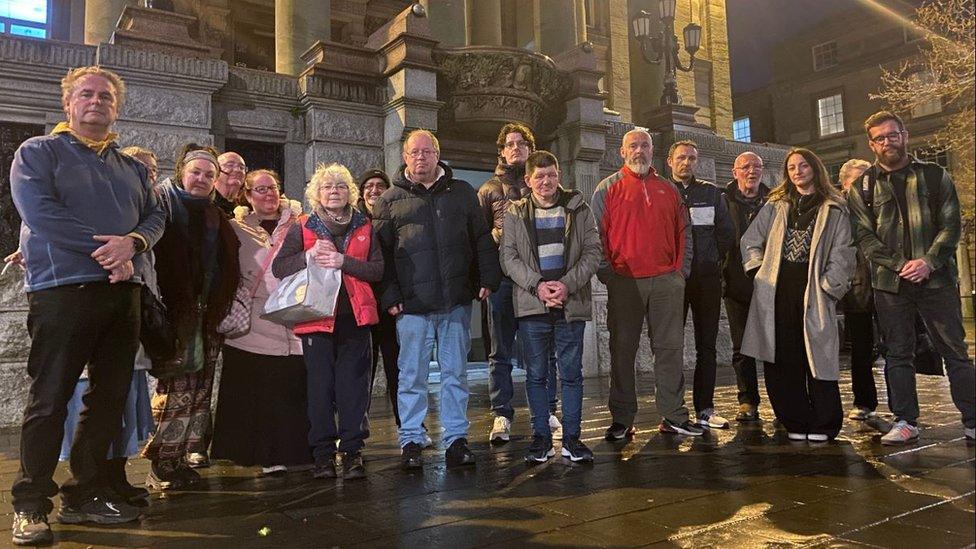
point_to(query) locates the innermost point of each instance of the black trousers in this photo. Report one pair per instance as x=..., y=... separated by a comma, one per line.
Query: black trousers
x=337, y=368
x=703, y=295
x=860, y=329
x=385, y=343
x=802, y=403
x=70, y=326
x=746, y=377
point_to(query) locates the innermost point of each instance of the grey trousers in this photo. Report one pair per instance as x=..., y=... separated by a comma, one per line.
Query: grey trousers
x=660, y=301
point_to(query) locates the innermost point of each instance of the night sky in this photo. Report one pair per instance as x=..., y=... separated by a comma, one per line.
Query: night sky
x=755, y=26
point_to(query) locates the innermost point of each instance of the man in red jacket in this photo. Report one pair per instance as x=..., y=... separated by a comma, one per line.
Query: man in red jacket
x=647, y=256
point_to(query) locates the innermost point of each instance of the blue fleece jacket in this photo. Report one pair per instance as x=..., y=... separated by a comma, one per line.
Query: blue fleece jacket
x=66, y=193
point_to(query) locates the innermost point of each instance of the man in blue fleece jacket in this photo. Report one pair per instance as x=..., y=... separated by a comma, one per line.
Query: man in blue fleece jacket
x=89, y=214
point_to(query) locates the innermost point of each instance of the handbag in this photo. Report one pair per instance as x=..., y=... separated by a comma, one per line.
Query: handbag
x=238, y=320
x=157, y=334
x=309, y=294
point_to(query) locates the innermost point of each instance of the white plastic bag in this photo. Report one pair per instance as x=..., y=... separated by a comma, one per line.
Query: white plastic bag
x=309, y=294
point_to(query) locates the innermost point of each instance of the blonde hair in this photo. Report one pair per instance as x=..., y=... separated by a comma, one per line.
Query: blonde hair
x=428, y=133
x=249, y=184
x=336, y=173
x=135, y=151
x=850, y=166
x=74, y=75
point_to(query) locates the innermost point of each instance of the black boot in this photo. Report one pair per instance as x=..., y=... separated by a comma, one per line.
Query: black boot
x=119, y=483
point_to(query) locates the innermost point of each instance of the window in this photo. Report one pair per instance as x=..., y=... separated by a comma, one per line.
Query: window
x=25, y=17
x=824, y=55
x=741, y=130
x=923, y=80
x=928, y=154
x=830, y=114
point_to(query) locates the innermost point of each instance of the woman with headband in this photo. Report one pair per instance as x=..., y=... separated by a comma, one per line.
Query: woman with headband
x=198, y=274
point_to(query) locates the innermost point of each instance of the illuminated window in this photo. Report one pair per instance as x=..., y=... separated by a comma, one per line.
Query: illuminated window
x=25, y=17
x=741, y=130
x=830, y=114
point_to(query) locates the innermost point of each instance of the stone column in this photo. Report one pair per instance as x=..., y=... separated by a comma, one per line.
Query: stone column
x=448, y=21
x=558, y=26
x=580, y=9
x=484, y=23
x=298, y=25
x=101, y=17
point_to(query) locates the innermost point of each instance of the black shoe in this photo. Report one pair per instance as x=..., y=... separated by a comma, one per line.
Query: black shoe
x=99, y=511
x=687, y=428
x=353, y=467
x=31, y=529
x=575, y=450
x=619, y=431
x=163, y=478
x=198, y=460
x=325, y=467
x=119, y=484
x=541, y=450
x=411, y=456
x=458, y=454
x=188, y=475
x=747, y=413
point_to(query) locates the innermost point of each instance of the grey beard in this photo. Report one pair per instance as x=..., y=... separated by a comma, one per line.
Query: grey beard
x=638, y=168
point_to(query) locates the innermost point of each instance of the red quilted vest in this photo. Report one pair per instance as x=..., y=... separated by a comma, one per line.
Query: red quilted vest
x=360, y=292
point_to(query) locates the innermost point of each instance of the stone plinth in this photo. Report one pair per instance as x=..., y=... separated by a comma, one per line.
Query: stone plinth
x=159, y=30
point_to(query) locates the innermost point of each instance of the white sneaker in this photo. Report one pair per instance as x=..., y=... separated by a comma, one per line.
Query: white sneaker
x=796, y=436
x=861, y=414
x=274, y=469
x=500, y=430
x=555, y=427
x=901, y=432
x=709, y=419
x=817, y=437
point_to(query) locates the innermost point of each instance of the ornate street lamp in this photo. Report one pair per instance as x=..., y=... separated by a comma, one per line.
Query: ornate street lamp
x=665, y=46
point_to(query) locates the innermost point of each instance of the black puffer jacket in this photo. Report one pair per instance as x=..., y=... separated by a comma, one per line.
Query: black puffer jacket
x=711, y=227
x=738, y=286
x=436, y=245
x=497, y=193
x=860, y=298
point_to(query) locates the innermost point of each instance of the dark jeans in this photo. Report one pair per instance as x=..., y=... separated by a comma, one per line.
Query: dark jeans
x=860, y=328
x=542, y=335
x=70, y=326
x=337, y=365
x=940, y=309
x=703, y=295
x=385, y=343
x=746, y=377
x=505, y=348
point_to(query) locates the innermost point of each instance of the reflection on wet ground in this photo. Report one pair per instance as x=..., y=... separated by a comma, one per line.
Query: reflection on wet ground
x=747, y=486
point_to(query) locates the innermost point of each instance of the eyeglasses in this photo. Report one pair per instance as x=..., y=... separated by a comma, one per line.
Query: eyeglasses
x=232, y=166
x=894, y=137
x=511, y=145
x=330, y=188
x=417, y=153
x=263, y=190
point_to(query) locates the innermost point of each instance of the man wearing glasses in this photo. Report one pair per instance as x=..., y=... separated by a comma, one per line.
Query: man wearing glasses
x=229, y=182
x=907, y=224
x=438, y=256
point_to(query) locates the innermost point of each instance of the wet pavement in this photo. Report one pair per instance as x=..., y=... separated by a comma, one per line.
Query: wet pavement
x=745, y=487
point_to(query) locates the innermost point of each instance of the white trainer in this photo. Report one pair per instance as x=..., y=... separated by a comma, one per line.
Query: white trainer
x=901, y=432
x=710, y=420
x=500, y=430
x=555, y=427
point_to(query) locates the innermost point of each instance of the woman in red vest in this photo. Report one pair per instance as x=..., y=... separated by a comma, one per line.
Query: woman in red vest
x=337, y=349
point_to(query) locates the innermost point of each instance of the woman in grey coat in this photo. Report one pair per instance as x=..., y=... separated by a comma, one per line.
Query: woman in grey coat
x=799, y=251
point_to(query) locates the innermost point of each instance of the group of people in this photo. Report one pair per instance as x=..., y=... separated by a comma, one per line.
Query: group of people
x=103, y=246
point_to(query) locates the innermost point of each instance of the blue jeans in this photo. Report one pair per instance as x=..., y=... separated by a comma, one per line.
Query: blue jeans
x=417, y=334
x=505, y=347
x=541, y=335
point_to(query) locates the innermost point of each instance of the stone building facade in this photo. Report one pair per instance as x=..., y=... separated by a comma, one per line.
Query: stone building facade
x=345, y=86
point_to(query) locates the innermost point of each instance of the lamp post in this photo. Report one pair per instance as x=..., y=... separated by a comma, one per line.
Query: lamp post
x=665, y=46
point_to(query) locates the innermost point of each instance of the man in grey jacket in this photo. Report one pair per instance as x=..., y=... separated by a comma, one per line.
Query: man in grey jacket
x=89, y=215
x=550, y=250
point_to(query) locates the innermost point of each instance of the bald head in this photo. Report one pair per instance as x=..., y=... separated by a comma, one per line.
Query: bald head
x=231, y=177
x=747, y=171
x=636, y=150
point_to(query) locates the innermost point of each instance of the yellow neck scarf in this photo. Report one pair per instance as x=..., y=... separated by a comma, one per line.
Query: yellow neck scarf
x=97, y=146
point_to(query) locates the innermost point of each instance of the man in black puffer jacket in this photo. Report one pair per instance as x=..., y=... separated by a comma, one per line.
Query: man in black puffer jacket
x=439, y=255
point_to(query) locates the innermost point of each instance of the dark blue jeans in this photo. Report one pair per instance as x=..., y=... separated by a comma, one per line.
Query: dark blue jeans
x=505, y=349
x=542, y=335
x=941, y=311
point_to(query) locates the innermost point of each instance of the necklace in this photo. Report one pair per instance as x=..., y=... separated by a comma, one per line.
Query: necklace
x=337, y=218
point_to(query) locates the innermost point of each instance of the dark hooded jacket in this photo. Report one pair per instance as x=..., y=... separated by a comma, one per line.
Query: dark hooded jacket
x=494, y=196
x=738, y=285
x=437, y=247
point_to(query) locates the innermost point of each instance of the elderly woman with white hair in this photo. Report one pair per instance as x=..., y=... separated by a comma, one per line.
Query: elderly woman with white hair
x=337, y=349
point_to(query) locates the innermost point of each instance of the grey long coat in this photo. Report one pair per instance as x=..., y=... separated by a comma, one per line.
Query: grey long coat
x=829, y=277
